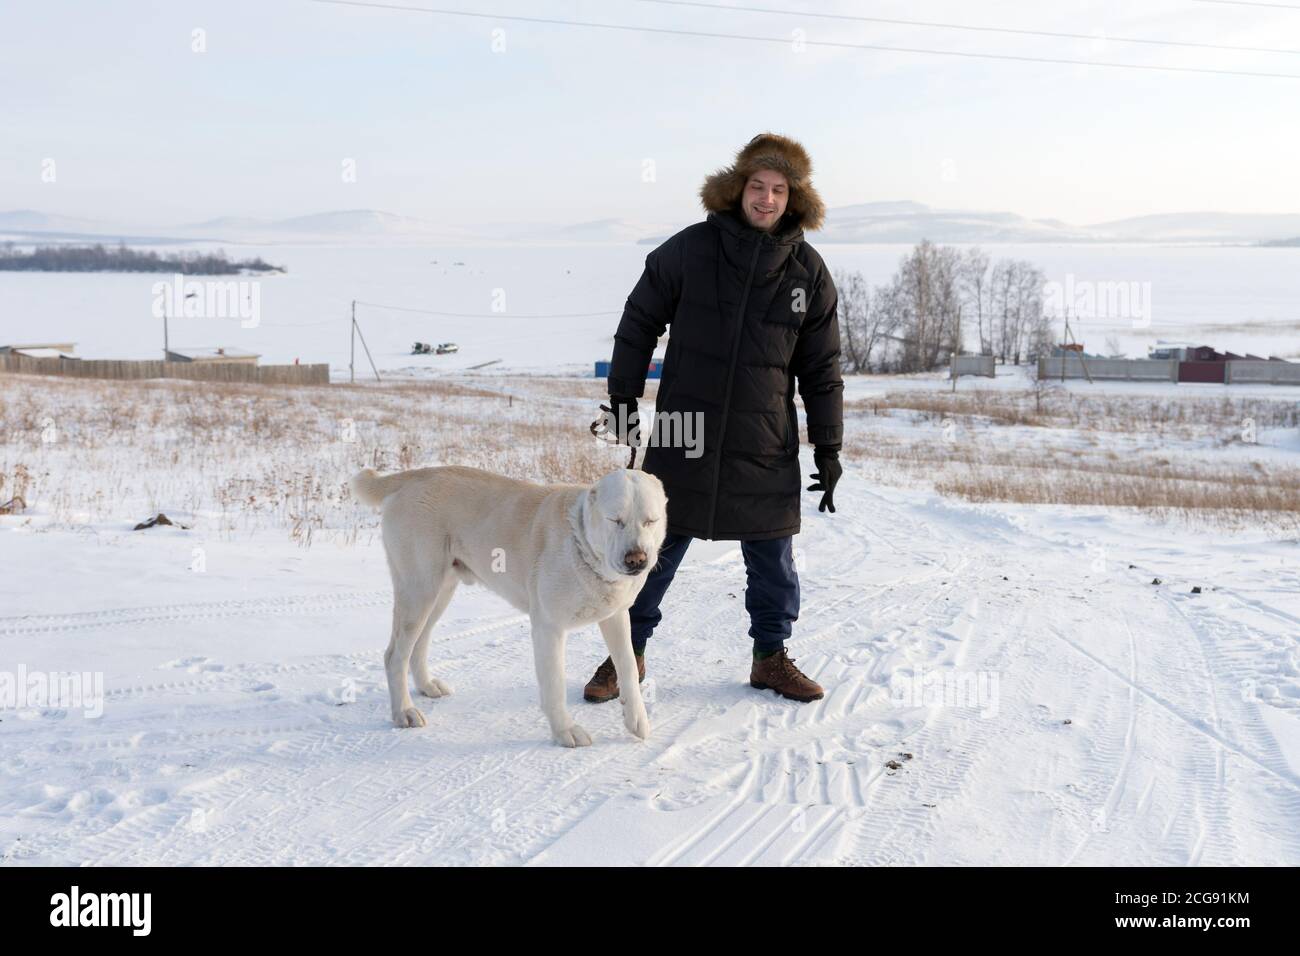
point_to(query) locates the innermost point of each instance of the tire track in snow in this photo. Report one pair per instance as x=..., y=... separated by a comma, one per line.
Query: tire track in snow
x=167, y=613
x=1283, y=775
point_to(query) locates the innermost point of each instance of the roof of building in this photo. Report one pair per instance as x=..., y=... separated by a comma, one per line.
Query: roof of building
x=32, y=351
x=25, y=347
x=212, y=351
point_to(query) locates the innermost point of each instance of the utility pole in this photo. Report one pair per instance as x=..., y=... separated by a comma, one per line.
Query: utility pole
x=1082, y=361
x=356, y=333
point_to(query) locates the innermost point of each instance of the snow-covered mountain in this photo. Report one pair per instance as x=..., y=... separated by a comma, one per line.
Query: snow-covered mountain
x=363, y=224
x=874, y=222
x=34, y=221
x=1202, y=227
x=912, y=221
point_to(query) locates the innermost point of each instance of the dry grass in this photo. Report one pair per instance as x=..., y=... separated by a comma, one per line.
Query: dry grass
x=1153, y=454
x=247, y=456
x=1191, y=417
x=1222, y=497
x=237, y=457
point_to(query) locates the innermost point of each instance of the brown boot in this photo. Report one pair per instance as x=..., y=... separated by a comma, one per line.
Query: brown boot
x=603, y=685
x=777, y=672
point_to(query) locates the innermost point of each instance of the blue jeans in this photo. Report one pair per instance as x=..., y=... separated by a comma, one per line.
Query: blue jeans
x=771, y=590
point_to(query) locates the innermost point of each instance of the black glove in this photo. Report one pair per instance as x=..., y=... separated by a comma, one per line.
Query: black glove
x=826, y=476
x=621, y=420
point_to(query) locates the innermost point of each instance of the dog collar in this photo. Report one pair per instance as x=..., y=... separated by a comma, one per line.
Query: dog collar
x=577, y=523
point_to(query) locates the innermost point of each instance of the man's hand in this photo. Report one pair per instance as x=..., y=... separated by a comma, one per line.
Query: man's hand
x=826, y=476
x=620, y=420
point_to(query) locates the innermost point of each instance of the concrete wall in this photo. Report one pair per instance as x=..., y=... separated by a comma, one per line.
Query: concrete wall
x=1248, y=371
x=972, y=365
x=1111, y=370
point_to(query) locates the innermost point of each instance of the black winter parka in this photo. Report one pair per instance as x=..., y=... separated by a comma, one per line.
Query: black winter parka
x=752, y=316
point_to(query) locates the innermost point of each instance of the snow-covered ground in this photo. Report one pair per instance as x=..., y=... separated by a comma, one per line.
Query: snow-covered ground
x=1005, y=683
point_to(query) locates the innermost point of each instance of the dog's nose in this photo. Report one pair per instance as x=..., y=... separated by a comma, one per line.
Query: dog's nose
x=634, y=560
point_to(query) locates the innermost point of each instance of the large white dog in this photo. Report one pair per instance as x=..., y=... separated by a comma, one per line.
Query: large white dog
x=569, y=555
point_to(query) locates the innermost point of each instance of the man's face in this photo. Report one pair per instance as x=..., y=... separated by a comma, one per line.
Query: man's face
x=765, y=198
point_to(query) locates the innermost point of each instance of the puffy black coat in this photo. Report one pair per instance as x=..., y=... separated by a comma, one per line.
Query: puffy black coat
x=751, y=313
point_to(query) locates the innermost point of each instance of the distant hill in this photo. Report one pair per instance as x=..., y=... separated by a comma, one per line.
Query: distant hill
x=910, y=222
x=900, y=221
x=29, y=220
x=1202, y=227
x=339, y=224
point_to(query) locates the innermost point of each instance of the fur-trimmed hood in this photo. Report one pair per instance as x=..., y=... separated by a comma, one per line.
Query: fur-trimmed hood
x=722, y=190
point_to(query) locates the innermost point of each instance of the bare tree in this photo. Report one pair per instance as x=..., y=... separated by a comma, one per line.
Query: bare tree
x=926, y=301
x=974, y=273
x=853, y=311
x=1019, y=324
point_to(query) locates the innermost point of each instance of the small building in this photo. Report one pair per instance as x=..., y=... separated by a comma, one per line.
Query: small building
x=1073, y=350
x=42, y=350
x=653, y=370
x=1204, y=353
x=213, y=354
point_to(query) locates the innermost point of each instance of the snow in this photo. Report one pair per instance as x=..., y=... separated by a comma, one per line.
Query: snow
x=1056, y=706
x=1005, y=684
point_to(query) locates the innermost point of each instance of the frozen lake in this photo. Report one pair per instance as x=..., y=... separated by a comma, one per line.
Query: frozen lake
x=551, y=307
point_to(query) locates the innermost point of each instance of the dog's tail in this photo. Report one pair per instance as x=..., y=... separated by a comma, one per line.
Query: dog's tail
x=372, y=488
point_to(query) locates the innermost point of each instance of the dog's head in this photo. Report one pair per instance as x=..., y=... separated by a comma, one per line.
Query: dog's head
x=627, y=518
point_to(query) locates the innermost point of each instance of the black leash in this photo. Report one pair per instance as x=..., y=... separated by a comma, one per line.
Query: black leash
x=631, y=462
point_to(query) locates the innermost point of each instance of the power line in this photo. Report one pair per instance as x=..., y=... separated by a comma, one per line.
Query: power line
x=785, y=41
x=978, y=29
x=1252, y=3
x=490, y=315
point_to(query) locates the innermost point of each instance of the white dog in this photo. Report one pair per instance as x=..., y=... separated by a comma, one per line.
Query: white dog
x=569, y=555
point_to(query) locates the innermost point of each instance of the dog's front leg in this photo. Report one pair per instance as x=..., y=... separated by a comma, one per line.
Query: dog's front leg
x=548, y=656
x=617, y=631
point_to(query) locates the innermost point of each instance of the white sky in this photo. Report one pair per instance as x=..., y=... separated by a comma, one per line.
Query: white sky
x=557, y=127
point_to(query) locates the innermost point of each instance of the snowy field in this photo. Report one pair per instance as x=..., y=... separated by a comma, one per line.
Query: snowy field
x=1006, y=684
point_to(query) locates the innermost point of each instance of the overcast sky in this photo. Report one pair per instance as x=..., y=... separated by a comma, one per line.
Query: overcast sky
x=562, y=124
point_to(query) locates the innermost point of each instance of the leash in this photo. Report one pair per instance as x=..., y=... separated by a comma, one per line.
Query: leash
x=631, y=462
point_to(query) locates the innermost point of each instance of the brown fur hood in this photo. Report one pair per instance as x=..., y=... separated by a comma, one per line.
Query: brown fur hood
x=805, y=208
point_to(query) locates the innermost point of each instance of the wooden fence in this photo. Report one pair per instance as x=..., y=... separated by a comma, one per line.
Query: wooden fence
x=156, y=368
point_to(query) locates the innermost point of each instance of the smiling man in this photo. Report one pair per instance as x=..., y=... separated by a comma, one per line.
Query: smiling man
x=752, y=312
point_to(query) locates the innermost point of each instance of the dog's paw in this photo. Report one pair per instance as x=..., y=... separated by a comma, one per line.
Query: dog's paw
x=410, y=717
x=435, y=688
x=573, y=736
x=637, y=720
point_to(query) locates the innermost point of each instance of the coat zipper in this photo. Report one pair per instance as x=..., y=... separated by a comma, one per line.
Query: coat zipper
x=731, y=374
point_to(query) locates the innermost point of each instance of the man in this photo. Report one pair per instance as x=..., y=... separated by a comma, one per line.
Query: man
x=752, y=312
